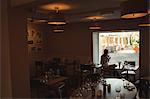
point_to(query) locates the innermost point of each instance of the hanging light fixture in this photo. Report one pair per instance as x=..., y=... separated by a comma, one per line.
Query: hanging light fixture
x=94, y=23
x=94, y=26
x=134, y=9
x=145, y=22
x=57, y=19
x=58, y=28
x=36, y=17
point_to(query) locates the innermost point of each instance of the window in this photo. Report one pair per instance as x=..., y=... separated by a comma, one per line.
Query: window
x=122, y=46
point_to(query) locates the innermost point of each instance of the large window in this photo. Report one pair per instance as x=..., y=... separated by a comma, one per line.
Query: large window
x=122, y=46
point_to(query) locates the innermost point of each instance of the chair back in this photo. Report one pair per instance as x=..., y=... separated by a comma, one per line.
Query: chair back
x=85, y=67
x=62, y=91
x=39, y=67
x=112, y=66
x=132, y=63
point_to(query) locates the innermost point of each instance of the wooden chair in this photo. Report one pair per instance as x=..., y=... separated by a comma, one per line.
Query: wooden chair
x=39, y=67
x=109, y=71
x=85, y=70
x=40, y=90
x=132, y=63
x=143, y=86
x=60, y=90
x=129, y=74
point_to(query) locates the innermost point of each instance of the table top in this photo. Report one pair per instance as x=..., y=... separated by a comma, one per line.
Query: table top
x=59, y=79
x=125, y=93
x=114, y=82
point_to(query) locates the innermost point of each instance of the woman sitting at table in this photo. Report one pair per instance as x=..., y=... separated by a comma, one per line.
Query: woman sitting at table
x=104, y=61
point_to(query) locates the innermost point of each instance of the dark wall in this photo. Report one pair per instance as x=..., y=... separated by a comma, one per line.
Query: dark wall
x=17, y=25
x=74, y=43
x=36, y=32
x=5, y=73
x=145, y=51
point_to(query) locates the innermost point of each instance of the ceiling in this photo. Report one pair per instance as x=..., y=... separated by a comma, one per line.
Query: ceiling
x=20, y=2
x=78, y=9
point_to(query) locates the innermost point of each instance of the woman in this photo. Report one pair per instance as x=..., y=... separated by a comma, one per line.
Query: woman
x=104, y=61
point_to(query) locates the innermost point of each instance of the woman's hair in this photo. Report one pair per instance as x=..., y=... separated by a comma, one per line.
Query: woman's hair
x=105, y=51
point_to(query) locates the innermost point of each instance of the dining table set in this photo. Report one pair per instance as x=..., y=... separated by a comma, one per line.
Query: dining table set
x=48, y=85
x=49, y=78
x=105, y=88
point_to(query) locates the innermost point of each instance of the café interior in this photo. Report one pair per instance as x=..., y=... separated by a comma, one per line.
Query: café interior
x=51, y=49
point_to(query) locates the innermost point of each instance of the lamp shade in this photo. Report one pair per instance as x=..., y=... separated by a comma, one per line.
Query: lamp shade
x=94, y=26
x=37, y=17
x=57, y=19
x=58, y=28
x=145, y=22
x=134, y=8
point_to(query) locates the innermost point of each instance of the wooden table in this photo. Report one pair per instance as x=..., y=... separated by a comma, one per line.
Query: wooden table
x=53, y=80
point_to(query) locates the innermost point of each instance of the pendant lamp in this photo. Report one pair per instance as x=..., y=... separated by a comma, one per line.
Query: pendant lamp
x=145, y=22
x=94, y=27
x=134, y=8
x=58, y=28
x=57, y=18
x=94, y=24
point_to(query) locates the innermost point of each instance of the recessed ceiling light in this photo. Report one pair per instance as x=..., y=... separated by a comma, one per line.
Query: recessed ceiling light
x=52, y=6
